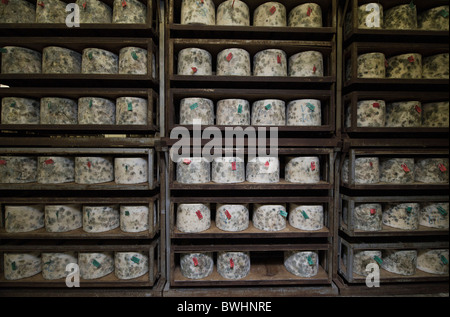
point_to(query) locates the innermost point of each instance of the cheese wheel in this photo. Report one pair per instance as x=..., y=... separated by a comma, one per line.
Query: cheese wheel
x=58, y=111
x=233, y=62
x=431, y=170
x=397, y=170
x=129, y=265
x=55, y=169
x=93, y=170
x=371, y=65
x=306, y=15
x=132, y=12
x=369, y=113
x=363, y=258
x=133, y=60
x=200, y=109
x=230, y=217
x=233, y=12
x=94, y=11
x=233, y=112
x=21, y=60
x=17, y=11
x=269, y=217
x=130, y=170
x=434, y=19
x=306, y=64
x=370, y=16
x=436, y=66
x=60, y=60
x=100, y=218
x=18, y=169
x=434, y=261
x=233, y=265
x=404, y=114
x=435, y=114
x=17, y=266
x=24, y=218
x=270, y=62
x=94, y=110
x=434, y=215
x=367, y=217
x=95, y=265
x=401, y=262
x=367, y=170
x=198, y=12
x=16, y=110
x=270, y=14
x=226, y=170
x=304, y=112
x=51, y=11
x=401, y=17
x=194, y=61
x=306, y=217
x=302, y=263
x=99, y=61
x=54, y=264
x=405, y=66
x=402, y=216
x=193, y=171
x=134, y=218
x=196, y=265
x=132, y=110
x=63, y=218
x=270, y=112
x=304, y=170
x=263, y=170
x=193, y=217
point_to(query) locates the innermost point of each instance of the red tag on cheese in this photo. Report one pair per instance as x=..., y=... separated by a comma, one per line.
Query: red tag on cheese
x=227, y=213
x=194, y=69
x=41, y=4
x=411, y=59
x=273, y=10
x=279, y=59
x=195, y=261
x=371, y=164
x=233, y=4
x=199, y=214
x=314, y=69
x=308, y=13
x=231, y=264
x=89, y=164
x=233, y=166
x=373, y=211
x=229, y=57
x=84, y=5
x=405, y=168
x=124, y=4
x=442, y=167
x=313, y=166
x=187, y=161
x=49, y=161
x=418, y=109
x=376, y=105
x=2, y=162
x=267, y=164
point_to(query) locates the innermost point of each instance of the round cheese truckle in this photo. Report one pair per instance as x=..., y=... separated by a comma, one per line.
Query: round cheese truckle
x=436, y=66
x=94, y=11
x=130, y=170
x=200, y=109
x=63, y=218
x=434, y=261
x=271, y=112
x=233, y=62
x=51, y=11
x=17, y=11
x=133, y=60
x=18, y=169
x=370, y=16
x=269, y=217
x=198, y=12
x=132, y=110
x=60, y=60
x=302, y=263
x=270, y=62
x=54, y=264
x=100, y=218
x=304, y=112
x=431, y=170
x=363, y=258
x=93, y=170
x=263, y=170
x=304, y=170
x=134, y=218
x=434, y=215
x=306, y=15
x=17, y=110
x=401, y=262
x=194, y=61
x=196, y=265
x=233, y=265
x=99, y=61
x=401, y=17
x=402, y=216
x=434, y=19
x=129, y=265
x=17, y=266
x=95, y=265
x=270, y=14
x=233, y=112
x=230, y=217
x=24, y=218
x=233, y=12
x=397, y=170
x=367, y=217
x=193, y=217
x=227, y=170
x=56, y=110
x=55, y=169
x=305, y=217
x=193, y=170
x=369, y=113
x=306, y=64
x=94, y=110
x=20, y=60
x=404, y=114
x=129, y=12
x=371, y=65
x=367, y=170
x=435, y=114
x=406, y=66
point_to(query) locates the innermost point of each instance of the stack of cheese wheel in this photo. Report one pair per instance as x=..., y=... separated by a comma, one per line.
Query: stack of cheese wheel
x=54, y=264
x=401, y=17
x=270, y=112
x=93, y=170
x=397, y=170
x=302, y=263
x=228, y=170
x=306, y=217
x=196, y=111
x=134, y=218
x=367, y=217
x=434, y=261
x=133, y=60
x=270, y=62
x=306, y=64
x=94, y=11
x=306, y=15
x=18, y=169
x=270, y=14
x=60, y=60
x=403, y=216
x=369, y=113
x=63, y=218
x=436, y=66
x=55, y=110
x=100, y=218
x=99, y=61
x=129, y=12
x=196, y=265
x=129, y=265
x=435, y=114
x=233, y=12
x=370, y=16
x=95, y=265
x=431, y=170
x=363, y=258
x=95, y=110
x=404, y=66
x=17, y=110
x=130, y=170
x=193, y=170
x=21, y=60
x=401, y=262
x=371, y=65
x=232, y=217
x=404, y=114
x=304, y=112
x=233, y=112
x=193, y=217
x=17, y=11
x=55, y=169
x=434, y=19
x=194, y=61
x=24, y=218
x=132, y=110
x=198, y=12
x=367, y=170
x=263, y=170
x=434, y=215
x=233, y=62
x=304, y=170
x=233, y=265
x=51, y=11
x=17, y=266
x=269, y=217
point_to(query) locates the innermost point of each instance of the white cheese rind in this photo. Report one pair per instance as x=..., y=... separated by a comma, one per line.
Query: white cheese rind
x=368, y=217
x=306, y=15
x=431, y=170
x=306, y=217
x=434, y=261
x=99, y=61
x=227, y=170
x=17, y=266
x=363, y=258
x=371, y=65
x=21, y=60
x=16, y=110
x=129, y=265
x=196, y=265
x=132, y=110
x=270, y=112
x=304, y=112
x=306, y=64
x=133, y=60
x=56, y=110
x=193, y=171
x=134, y=218
x=403, y=216
x=200, y=109
x=233, y=62
x=94, y=110
x=367, y=170
x=263, y=170
x=270, y=14
x=401, y=17
x=193, y=217
x=401, y=262
x=404, y=66
x=304, y=170
x=397, y=170
x=194, y=61
x=18, y=169
x=63, y=218
x=54, y=264
x=369, y=113
x=270, y=62
x=233, y=112
x=95, y=265
x=60, y=60
x=230, y=217
x=366, y=10
x=23, y=218
x=302, y=263
x=100, y=218
x=269, y=217
x=434, y=215
x=132, y=170
x=198, y=12
x=233, y=12
x=94, y=11
x=93, y=170
x=133, y=12
x=51, y=11
x=233, y=265
x=55, y=169
x=404, y=114
x=17, y=11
